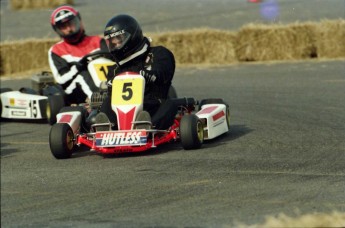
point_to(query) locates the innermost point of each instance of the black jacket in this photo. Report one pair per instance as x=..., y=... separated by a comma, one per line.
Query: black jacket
x=157, y=60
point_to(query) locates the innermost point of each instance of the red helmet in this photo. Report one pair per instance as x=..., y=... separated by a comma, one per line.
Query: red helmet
x=67, y=15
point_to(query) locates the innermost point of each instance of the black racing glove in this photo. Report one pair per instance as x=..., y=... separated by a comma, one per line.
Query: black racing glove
x=82, y=64
x=148, y=75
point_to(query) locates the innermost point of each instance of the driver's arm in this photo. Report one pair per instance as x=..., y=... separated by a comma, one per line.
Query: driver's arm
x=163, y=65
x=61, y=69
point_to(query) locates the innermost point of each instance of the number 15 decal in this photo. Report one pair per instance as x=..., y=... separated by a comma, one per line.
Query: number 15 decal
x=128, y=91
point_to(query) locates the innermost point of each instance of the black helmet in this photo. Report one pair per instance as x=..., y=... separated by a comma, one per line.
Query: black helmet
x=123, y=36
x=64, y=14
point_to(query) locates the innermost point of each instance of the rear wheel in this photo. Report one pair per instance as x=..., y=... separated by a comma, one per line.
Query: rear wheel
x=3, y=90
x=211, y=101
x=61, y=141
x=191, y=132
x=228, y=117
x=55, y=103
x=28, y=91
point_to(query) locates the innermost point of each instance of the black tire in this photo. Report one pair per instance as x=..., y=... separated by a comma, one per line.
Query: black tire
x=52, y=90
x=61, y=141
x=172, y=92
x=4, y=90
x=28, y=91
x=211, y=101
x=191, y=132
x=227, y=116
x=55, y=104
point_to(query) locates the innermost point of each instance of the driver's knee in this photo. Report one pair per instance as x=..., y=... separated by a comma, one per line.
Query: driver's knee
x=165, y=115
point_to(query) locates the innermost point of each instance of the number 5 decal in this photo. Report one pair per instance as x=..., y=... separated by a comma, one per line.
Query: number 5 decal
x=127, y=91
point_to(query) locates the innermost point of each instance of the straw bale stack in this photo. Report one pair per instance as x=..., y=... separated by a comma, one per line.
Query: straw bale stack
x=331, y=39
x=276, y=42
x=199, y=46
x=21, y=56
x=253, y=42
x=32, y=4
x=316, y=219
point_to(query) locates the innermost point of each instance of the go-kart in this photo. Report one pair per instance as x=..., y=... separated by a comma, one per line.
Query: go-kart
x=194, y=122
x=46, y=98
x=43, y=101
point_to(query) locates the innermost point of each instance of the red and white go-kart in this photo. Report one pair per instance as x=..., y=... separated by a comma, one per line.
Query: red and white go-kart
x=194, y=122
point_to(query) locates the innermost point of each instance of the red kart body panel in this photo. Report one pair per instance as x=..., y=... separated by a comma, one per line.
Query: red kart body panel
x=143, y=140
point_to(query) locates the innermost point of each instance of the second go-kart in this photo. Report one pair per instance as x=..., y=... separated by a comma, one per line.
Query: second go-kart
x=194, y=123
x=46, y=98
x=41, y=102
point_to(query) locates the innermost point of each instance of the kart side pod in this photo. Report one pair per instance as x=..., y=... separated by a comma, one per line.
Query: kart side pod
x=215, y=120
x=72, y=118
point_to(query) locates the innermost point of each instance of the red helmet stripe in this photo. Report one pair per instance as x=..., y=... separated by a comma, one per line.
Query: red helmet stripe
x=57, y=10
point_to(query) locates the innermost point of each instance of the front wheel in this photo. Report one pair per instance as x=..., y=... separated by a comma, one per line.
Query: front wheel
x=191, y=132
x=61, y=141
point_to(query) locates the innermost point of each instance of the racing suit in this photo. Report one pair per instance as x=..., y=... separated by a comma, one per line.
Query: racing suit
x=159, y=63
x=62, y=56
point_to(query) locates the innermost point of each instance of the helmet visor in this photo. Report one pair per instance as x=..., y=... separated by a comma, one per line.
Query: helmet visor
x=116, y=40
x=68, y=27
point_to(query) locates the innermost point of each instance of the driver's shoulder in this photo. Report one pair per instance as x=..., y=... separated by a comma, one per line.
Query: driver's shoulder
x=161, y=51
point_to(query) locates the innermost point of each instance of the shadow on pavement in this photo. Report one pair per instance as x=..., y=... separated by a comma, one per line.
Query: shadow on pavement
x=6, y=152
x=236, y=131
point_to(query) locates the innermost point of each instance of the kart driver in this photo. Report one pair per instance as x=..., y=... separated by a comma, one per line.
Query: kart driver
x=132, y=51
x=65, y=57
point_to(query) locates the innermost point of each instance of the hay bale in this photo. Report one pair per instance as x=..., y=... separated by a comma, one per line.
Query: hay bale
x=199, y=46
x=21, y=56
x=331, y=39
x=37, y=4
x=278, y=42
x=316, y=219
x=208, y=46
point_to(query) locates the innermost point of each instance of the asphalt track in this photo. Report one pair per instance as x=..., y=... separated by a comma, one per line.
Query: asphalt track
x=283, y=154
